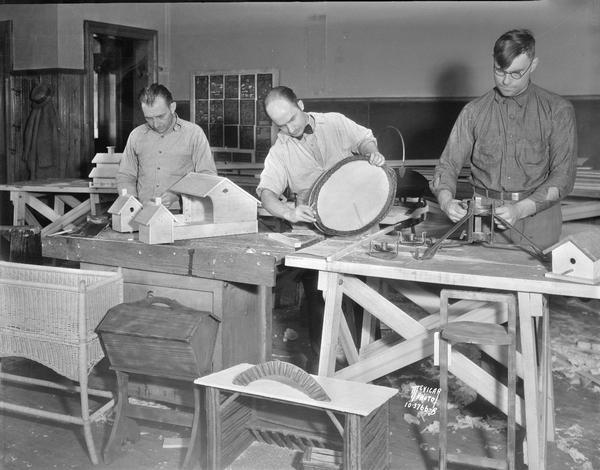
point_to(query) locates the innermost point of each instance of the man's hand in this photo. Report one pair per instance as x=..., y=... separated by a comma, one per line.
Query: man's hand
x=168, y=198
x=300, y=213
x=513, y=212
x=375, y=158
x=454, y=209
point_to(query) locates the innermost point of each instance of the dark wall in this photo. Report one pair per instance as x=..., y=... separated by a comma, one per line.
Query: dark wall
x=425, y=123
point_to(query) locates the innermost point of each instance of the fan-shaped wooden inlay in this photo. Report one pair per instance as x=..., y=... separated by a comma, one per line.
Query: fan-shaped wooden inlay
x=285, y=373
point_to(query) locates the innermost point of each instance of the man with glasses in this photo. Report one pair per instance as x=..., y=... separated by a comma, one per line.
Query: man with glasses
x=521, y=143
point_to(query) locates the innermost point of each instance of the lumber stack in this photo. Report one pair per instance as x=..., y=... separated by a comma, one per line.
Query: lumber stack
x=104, y=174
x=587, y=183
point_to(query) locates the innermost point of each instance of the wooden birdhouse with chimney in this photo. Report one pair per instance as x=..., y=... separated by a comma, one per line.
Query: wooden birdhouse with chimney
x=576, y=258
x=123, y=211
x=155, y=223
x=213, y=205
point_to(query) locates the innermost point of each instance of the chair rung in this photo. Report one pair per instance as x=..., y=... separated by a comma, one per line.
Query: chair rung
x=476, y=461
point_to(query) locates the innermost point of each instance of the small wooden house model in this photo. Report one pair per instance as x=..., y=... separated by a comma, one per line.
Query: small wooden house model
x=123, y=211
x=213, y=205
x=104, y=173
x=155, y=223
x=577, y=258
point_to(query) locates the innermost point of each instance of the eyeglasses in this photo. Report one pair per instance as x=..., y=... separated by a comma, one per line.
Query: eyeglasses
x=513, y=75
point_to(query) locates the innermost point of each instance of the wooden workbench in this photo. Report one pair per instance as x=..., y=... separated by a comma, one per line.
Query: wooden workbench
x=230, y=276
x=54, y=199
x=470, y=267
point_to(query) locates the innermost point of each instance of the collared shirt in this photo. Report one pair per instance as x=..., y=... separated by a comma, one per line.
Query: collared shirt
x=522, y=143
x=297, y=163
x=153, y=162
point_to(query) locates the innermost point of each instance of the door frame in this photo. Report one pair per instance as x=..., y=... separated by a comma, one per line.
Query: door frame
x=107, y=29
x=6, y=67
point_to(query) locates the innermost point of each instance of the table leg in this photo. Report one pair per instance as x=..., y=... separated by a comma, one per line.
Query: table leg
x=352, y=442
x=530, y=306
x=331, y=322
x=18, y=200
x=213, y=429
x=265, y=315
x=124, y=428
x=193, y=454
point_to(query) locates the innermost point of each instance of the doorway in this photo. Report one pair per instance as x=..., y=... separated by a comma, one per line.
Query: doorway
x=5, y=69
x=119, y=62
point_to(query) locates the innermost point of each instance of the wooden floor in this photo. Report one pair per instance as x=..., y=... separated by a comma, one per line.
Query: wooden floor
x=27, y=443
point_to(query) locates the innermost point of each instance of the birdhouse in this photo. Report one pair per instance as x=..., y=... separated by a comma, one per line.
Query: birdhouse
x=123, y=211
x=155, y=223
x=577, y=258
x=212, y=206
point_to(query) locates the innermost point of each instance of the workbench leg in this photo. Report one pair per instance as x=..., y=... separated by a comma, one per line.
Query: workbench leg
x=213, y=429
x=265, y=316
x=18, y=199
x=352, y=443
x=193, y=454
x=331, y=322
x=369, y=323
x=124, y=428
x=530, y=306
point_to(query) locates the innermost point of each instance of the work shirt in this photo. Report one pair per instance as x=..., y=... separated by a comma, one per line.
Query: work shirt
x=297, y=163
x=523, y=143
x=153, y=162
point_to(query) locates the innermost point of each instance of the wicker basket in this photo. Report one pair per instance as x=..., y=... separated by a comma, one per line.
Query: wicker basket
x=49, y=314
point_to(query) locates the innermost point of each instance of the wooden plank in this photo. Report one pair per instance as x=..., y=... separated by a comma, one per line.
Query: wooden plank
x=42, y=208
x=71, y=216
x=68, y=199
x=531, y=305
x=195, y=230
x=352, y=246
x=331, y=323
x=55, y=185
x=382, y=308
x=115, y=253
x=469, y=271
x=247, y=266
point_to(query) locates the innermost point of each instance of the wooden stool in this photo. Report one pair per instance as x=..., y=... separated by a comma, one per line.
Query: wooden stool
x=156, y=337
x=293, y=409
x=482, y=334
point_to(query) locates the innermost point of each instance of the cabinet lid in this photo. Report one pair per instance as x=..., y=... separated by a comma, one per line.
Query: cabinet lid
x=157, y=317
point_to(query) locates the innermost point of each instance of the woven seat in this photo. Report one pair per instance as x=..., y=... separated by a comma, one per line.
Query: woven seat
x=48, y=315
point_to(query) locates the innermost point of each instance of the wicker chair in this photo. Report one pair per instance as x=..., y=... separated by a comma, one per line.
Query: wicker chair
x=48, y=315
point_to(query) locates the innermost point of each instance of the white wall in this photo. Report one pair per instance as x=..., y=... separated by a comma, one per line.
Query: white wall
x=333, y=49
x=391, y=49
x=34, y=35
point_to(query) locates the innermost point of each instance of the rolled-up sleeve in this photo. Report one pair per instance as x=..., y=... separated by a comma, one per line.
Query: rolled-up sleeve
x=458, y=150
x=273, y=176
x=128, y=169
x=359, y=135
x=563, y=158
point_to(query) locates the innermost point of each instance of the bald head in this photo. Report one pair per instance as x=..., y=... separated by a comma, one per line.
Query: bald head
x=281, y=93
x=286, y=111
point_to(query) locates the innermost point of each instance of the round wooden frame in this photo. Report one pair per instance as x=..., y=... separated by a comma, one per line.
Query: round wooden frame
x=320, y=182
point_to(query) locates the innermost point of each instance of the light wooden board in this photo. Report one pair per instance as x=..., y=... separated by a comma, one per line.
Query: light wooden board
x=356, y=398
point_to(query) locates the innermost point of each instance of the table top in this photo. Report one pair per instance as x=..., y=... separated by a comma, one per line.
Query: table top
x=360, y=398
x=500, y=267
x=248, y=258
x=56, y=185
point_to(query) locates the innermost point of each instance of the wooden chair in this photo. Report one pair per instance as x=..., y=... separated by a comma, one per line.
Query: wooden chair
x=477, y=333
